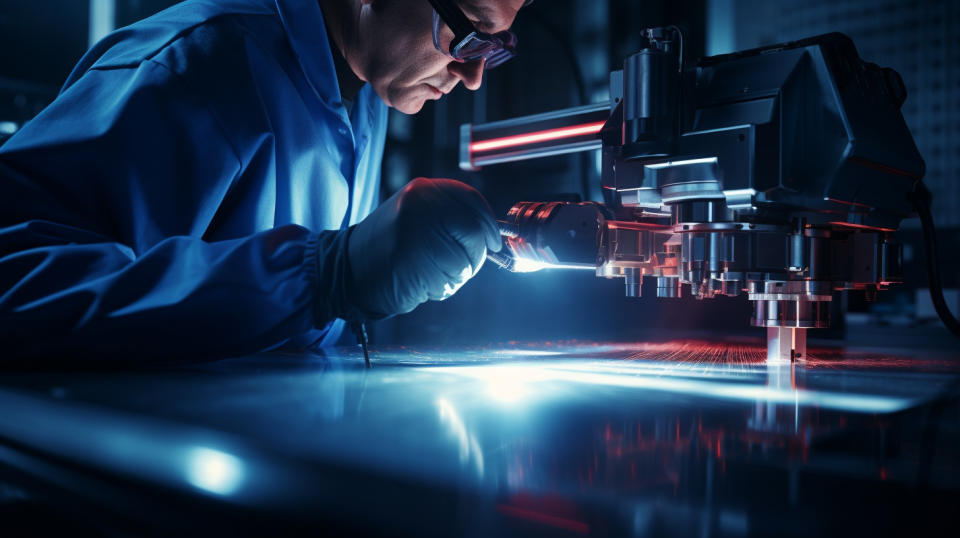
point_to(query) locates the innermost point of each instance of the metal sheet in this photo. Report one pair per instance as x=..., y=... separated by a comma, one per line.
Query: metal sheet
x=551, y=438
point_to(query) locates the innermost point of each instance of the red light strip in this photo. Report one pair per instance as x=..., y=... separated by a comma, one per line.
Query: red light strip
x=861, y=226
x=867, y=163
x=537, y=136
x=636, y=226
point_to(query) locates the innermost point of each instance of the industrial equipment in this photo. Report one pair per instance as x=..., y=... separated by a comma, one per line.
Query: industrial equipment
x=780, y=172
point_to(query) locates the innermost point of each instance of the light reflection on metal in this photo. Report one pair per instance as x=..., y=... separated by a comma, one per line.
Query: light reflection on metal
x=668, y=369
x=214, y=471
x=526, y=265
x=739, y=192
x=687, y=162
x=780, y=375
x=843, y=224
x=527, y=353
x=637, y=226
x=467, y=444
x=567, y=371
x=537, y=137
x=508, y=390
x=786, y=344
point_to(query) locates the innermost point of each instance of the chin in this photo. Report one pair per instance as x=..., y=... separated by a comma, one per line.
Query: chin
x=409, y=106
x=407, y=100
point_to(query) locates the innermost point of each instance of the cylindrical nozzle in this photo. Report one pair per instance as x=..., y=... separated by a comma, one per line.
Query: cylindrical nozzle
x=791, y=313
x=633, y=280
x=669, y=287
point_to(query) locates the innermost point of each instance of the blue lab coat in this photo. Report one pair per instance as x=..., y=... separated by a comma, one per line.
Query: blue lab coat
x=172, y=200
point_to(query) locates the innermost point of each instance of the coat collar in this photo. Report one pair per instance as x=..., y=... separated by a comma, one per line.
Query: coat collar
x=307, y=33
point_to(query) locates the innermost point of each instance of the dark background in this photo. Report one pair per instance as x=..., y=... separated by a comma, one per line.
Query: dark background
x=567, y=48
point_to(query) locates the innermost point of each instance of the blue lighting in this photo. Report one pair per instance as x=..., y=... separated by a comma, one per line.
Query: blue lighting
x=513, y=382
x=214, y=471
x=102, y=19
x=720, y=27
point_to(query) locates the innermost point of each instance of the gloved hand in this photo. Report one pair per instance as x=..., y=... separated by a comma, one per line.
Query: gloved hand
x=423, y=243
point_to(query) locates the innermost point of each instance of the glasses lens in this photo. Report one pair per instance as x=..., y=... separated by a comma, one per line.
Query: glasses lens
x=498, y=58
x=496, y=49
x=473, y=48
x=436, y=32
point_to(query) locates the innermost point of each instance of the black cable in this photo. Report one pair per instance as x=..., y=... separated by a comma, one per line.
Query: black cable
x=360, y=331
x=921, y=199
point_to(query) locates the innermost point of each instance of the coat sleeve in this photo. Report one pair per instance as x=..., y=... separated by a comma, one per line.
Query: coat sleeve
x=104, y=200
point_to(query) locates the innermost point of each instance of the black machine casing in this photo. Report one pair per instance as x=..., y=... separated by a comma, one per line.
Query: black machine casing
x=807, y=125
x=781, y=172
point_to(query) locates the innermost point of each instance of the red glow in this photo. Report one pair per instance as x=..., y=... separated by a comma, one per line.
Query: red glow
x=572, y=525
x=637, y=226
x=731, y=352
x=867, y=163
x=537, y=136
x=856, y=204
x=861, y=226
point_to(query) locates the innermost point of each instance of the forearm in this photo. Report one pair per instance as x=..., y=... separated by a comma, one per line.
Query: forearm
x=182, y=298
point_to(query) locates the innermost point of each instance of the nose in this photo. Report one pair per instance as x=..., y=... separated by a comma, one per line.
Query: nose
x=471, y=73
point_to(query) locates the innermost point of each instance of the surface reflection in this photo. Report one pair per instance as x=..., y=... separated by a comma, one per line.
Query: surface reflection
x=679, y=437
x=515, y=381
x=213, y=470
x=469, y=449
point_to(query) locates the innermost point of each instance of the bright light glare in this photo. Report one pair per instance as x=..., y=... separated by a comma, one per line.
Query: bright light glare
x=526, y=265
x=451, y=287
x=507, y=389
x=214, y=471
x=510, y=377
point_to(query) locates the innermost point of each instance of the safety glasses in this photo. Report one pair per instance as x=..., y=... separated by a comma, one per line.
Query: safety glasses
x=470, y=44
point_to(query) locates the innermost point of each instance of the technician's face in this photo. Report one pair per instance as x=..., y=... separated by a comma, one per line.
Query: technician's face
x=402, y=64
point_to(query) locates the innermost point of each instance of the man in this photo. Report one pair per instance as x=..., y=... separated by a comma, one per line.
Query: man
x=200, y=185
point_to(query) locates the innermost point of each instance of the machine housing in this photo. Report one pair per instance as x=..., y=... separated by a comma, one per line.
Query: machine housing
x=781, y=172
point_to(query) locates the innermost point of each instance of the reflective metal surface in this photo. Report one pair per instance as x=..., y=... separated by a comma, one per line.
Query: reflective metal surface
x=672, y=437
